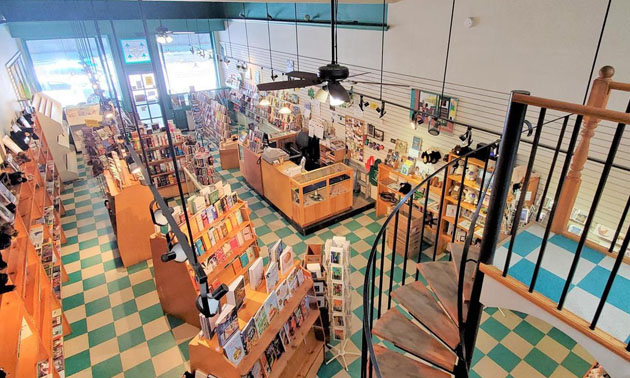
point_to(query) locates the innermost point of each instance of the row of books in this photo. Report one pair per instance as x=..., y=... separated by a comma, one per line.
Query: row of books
x=159, y=139
x=166, y=167
x=164, y=153
x=227, y=250
x=167, y=180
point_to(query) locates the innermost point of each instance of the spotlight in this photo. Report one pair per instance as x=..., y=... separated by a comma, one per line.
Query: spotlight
x=157, y=215
x=334, y=101
x=435, y=128
x=273, y=76
x=161, y=39
x=414, y=119
x=169, y=38
x=362, y=103
x=209, y=303
x=176, y=252
x=381, y=111
x=466, y=138
x=133, y=167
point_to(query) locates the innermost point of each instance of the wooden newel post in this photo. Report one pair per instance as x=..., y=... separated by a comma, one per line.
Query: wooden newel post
x=598, y=97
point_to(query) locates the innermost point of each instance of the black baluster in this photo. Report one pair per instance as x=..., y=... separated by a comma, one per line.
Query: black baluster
x=459, y=200
x=380, y=283
x=521, y=200
x=393, y=265
x=591, y=214
x=552, y=167
x=621, y=221
x=424, y=219
x=404, y=272
x=439, y=223
x=611, y=279
x=554, y=206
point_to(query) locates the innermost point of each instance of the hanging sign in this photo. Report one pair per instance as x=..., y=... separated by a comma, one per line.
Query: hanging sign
x=135, y=50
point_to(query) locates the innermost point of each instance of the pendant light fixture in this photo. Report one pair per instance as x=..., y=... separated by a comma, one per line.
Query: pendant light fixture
x=264, y=102
x=434, y=128
x=284, y=109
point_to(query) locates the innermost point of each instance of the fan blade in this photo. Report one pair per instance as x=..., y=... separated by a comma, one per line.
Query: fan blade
x=336, y=90
x=277, y=85
x=303, y=75
x=359, y=74
x=377, y=83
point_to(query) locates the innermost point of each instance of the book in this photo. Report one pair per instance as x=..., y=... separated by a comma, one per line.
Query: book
x=256, y=273
x=244, y=259
x=270, y=355
x=199, y=247
x=284, y=338
x=206, y=241
x=233, y=348
x=249, y=335
x=292, y=281
x=199, y=221
x=282, y=292
x=261, y=321
x=227, y=324
x=257, y=371
x=265, y=364
x=204, y=219
x=247, y=234
x=236, y=293
x=286, y=260
x=240, y=239
x=271, y=276
x=239, y=217
x=271, y=305
x=300, y=276
x=251, y=253
x=276, y=250
x=228, y=225
x=234, y=243
x=236, y=265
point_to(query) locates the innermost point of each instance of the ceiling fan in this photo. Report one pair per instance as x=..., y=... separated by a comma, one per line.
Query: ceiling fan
x=331, y=75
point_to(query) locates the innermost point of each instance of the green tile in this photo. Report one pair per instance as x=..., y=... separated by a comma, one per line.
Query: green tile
x=161, y=343
x=100, y=335
x=375, y=227
x=131, y=339
x=151, y=313
x=173, y=321
x=81, y=204
x=270, y=218
x=143, y=288
x=530, y=333
x=72, y=301
x=101, y=217
x=175, y=372
x=69, y=226
x=124, y=309
x=77, y=362
x=73, y=277
x=353, y=225
x=86, y=229
x=92, y=282
x=107, y=368
x=109, y=246
x=561, y=338
x=68, y=201
x=137, y=267
x=504, y=358
x=91, y=261
x=262, y=230
x=112, y=264
x=142, y=370
x=284, y=232
x=85, y=215
x=118, y=285
x=78, y=328
x=70, y=258
x=97, y=306
x=104, y=231
x=495, y=329
x=88, y=243
x=71, y=240
x=183, y=349
x=575, y=364
x=541, y=362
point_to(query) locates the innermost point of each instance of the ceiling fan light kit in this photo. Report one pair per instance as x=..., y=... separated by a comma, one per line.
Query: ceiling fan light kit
x=284, y=110
x=264, y=102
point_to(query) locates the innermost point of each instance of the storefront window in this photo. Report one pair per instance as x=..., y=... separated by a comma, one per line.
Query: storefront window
x=189, y=64
x=57, y=64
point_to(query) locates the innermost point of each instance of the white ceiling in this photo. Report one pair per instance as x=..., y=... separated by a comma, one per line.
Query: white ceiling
x=294, y=1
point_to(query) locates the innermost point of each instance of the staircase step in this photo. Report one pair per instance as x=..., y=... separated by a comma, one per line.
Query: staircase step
x=394, y=364
x=419, y=302
x=457, y=250
x=406, y=335
x=442, y=280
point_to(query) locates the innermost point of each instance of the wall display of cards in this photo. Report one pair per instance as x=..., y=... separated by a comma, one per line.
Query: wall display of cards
x=355, y=137
x=429, y=103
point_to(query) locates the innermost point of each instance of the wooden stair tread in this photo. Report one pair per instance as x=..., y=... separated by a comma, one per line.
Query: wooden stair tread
x=394, y=364
x=406, y=335
x=442, y=280
x=457, y=250
x=419, y=302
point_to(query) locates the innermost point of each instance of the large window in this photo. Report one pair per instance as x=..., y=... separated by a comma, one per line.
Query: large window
x=188, y=63
x=59, y=72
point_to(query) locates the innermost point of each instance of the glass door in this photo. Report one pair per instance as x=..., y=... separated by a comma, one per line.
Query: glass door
x=146, y=98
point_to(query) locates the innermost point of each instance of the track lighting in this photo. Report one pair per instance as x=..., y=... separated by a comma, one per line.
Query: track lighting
x=209, y=303
x=414, y=119
x=434, y=129
x=157, y=215
x=176, y=252
x=466, y=138
x=381, y=110
x=362, y=103
x=133, y=167
x=273, y=75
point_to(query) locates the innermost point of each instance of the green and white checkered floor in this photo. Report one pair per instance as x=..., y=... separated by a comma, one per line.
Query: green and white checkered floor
x=119, y=330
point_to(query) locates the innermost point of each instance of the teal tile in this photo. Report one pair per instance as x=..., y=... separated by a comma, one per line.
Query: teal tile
x=102, y=334
x=118, y=285
x=541, y=362
x=105, y=231
x=575, y=364
x=78, y=328
x=131, y=339
x=92, y=282
x=137, y=267
x=77, y=362
x=97, y=306
x=88, y=243
x=67, y=201
x=270, y=218
x=353, y=225
x=85, y=215
x=284, y=232
x=91, y=261
x=81, y=204
x=262, y=230
x=530, y=333
x=183, y=349
x=142, y=370
x=109, y=246
x=80, y=193
x=72, y=301
x=495, y=329
x=107, y=368
x=124, y=309
x=73, y=277
x=71, y=240
x=70, y=258
x=101, y=217
x=375, y=227
x=69, y=226
x=173, y=321
x=143, y=288
x=151, y=313
x=112, y=264
x=561, y=338
x=175, y=372
x=87, y=228
x=161, y=343
x=504, y=358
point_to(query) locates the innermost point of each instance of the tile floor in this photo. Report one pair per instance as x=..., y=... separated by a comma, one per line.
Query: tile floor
x=119, y=329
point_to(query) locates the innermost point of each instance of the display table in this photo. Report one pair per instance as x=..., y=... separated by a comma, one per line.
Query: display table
x=249, y=164
x=129, y=212
x=278, y=185
x=228, y=155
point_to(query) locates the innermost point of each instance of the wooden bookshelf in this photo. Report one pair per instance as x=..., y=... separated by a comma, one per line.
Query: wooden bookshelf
x=29, y=310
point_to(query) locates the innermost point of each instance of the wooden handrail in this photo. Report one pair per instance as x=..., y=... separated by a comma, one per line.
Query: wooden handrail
x=601, y=337
x=619, y=86
x=585, y=110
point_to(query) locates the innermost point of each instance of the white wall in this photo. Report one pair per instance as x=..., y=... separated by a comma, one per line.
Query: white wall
x=546, y=47
x=8, y=104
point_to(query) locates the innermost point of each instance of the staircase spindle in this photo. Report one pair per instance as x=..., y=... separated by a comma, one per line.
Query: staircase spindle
x=552, y=168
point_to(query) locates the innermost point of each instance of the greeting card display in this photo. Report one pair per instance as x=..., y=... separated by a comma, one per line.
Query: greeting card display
x=355, y=137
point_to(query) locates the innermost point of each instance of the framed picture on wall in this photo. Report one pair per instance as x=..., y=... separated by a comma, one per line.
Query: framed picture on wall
x=379, y=134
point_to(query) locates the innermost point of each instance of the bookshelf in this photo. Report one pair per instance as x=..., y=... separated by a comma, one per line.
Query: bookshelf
x=211, y=117
x=33, y=324
x=160, y=164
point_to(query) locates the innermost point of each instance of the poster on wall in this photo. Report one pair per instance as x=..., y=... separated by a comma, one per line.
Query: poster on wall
x=135, y=50
x=428, y=103
x=355, y=137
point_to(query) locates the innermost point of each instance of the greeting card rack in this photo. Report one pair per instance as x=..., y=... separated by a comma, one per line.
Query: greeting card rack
x=33, y=323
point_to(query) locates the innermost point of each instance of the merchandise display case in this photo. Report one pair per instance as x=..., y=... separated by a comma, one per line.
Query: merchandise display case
x=321, y=193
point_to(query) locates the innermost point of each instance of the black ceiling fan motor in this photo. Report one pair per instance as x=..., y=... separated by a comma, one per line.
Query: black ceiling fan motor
x=333, y=72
